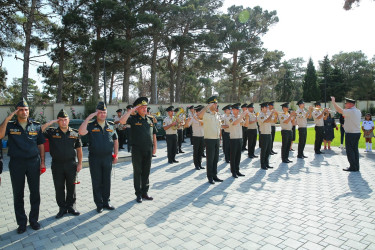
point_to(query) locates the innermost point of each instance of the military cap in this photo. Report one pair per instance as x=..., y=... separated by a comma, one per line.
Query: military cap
x=212, y=99
x=244, y=105
x=227, y=107
x=141, y=101
x=148, y=109
x=251, y=105
x=22, y=103
x=190, y=107
x=119, y=110
x=129, y=106
x=198, y=108
x=264, y=104
x=349, y=100
x=62, y=114
x=317, y=104
x=101, y=106
x=285, y=105
x=300, y=102
x=271, y=103
x=170, y=108
x=235, y=106
x=176, y=109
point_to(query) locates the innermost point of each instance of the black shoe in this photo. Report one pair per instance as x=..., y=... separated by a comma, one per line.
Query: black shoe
x=211, y=181
x=304, y=156
x=201, y=167
x=60, y=213
x=177, y=152
x=269, y=167
x=170, y=162
x=250, y=156
x=285, y=161
x=239, y=174
x=73, y=211
x=291, y=149
x=349, y=170
x=255, y=156
x=273, y=152
x=301, y=157
x=21, y=229
x=35, y=225
x=175, y=161
x=265, y=168
x=99, y=209
x=121, y=148
x=139, y=198
x=153, y=155
x=217, y=179
x=181, y=151
x=234, y=176
x=204, y=156
x=197, y=168
x=146, y=197
x=109, y=207
x=319, y=153
x=289, y=161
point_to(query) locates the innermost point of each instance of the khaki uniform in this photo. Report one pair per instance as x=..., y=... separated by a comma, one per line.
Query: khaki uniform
x=171, y=138
x=226, y=137
x=235, y=144
x=265, y=139
x=286, y=135
x=212, y=126
x=352, y=136
x=319, y=130
x=301, y=120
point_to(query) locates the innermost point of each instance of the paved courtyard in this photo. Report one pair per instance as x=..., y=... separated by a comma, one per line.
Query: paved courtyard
x=307, y=204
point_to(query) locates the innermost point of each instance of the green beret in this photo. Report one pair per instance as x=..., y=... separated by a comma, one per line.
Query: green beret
x=62, y=114
x=212, y=99
x=141, y=101
x=22, y=103
x=101, y=106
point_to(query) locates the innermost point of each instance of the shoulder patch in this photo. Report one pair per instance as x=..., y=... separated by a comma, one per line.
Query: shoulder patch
x=230, y=120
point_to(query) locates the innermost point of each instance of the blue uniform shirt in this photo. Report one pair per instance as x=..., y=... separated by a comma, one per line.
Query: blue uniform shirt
x=143, y=130
x=24, y=143
x=101, y=140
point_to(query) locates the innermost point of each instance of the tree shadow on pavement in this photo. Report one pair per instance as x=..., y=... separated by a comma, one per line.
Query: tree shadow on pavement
x=359, y=187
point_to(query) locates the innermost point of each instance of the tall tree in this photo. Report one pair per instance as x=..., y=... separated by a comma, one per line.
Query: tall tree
x=311, y=91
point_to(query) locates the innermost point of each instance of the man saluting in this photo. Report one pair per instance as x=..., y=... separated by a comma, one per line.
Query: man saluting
x=26, y=152
x=65, y=143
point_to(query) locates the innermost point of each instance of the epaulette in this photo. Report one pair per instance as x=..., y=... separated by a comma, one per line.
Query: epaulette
x=36, y=122
x=111, y=122
x=75, y=130
x=91, y=121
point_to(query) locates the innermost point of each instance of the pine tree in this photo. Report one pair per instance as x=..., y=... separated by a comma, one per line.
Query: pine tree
x=311, y=91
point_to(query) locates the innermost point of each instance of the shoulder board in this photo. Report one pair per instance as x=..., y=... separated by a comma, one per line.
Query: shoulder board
x=75, y=130
x=110, y=122
x=92, y=121
x=36, y=122
x=149, y=116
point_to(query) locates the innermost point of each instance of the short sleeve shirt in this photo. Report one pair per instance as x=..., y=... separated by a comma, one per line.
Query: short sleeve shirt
x=211, y=125
x=301, y=118
x=235, y=130
x=168, y=121
x=23, y=143
x=143, y=130
x=226, y=119
x=318, y=121
x=367, y=125
x=352, y=120
x=283, y=125
x=264, y=127
x=197, y=128
x=252, y=118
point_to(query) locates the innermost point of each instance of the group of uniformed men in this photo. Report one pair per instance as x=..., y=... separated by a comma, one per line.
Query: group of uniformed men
x=26, y=148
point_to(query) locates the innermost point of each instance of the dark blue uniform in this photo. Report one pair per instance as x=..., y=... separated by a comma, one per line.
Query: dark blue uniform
x=101, y=141
x=143, y=130
x=25, y=161
x=64, y=165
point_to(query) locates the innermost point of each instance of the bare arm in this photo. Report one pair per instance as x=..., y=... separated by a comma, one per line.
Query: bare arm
x=240, y=118
x=83, y=128
x=155, y=144
x=42, y=154
x=337, y=107
x=115, y=151
x=48, y=124
x=201, y=113
x=79, y=157
x=125, y=117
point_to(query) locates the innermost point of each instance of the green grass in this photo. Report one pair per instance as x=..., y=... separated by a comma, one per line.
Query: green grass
x=311, y=137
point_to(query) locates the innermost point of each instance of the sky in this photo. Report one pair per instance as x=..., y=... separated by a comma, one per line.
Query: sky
x=306, y=28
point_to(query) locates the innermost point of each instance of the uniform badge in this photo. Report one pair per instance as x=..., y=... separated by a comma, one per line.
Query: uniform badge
x=231, y=120
x=282, y=118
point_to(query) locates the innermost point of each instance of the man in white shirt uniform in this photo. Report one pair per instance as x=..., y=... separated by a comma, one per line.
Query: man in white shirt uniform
x=170, y=127
x=319, y=118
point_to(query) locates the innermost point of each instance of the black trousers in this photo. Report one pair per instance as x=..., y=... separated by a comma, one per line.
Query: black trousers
x=19, y=169
x=319, y=135
x=141, y=159
x=265, y=150
x=180, y=138
x=351, y=145
x=64, y=174
x=121, y=137
x=100, y=170
x=251, y=141
x=302, y=132
x=286, y=136
x=226, y=145
x=273, y=132
x=128, y=133
x=171, y=147
x=198, y=147
x=212, y=157
x=244, y=137
x=235, y=155
x=342, y=133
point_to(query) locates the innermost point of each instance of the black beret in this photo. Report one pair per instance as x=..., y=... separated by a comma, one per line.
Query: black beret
x=235, y=106
x=176, y=109
x=227, y=107
x=170, y=108
x=285, y=105
x=62, y=114
x=300, y=102
x=244, y=105
x=264, y=104
x=101, y=106
x=251, y=105
x=22, y=103
x=271, y=103
x=141, y=101
x=212, y=99
x=119, y=110
x=349, y=100
x=190, y=107
x=318, y=104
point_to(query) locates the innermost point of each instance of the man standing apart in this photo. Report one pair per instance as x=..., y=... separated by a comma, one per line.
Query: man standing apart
x=265, y=119
x=236, y=123
x=102, y=142
x=286, y=132
x=144, y=146
x=319, y=116
x=26, y=152
x=352, y=131
x=301, y=119
x=170, y=127
x=212, y=126
x=65, y=143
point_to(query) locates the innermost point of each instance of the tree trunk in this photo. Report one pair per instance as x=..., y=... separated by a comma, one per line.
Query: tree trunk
x=126, y=81
x=234, y=76
x=171, y=76
x=61, y=72
x=26, y=54
x=178, y=74
x=95, y=87
x=111, y=86
x=153, y=70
